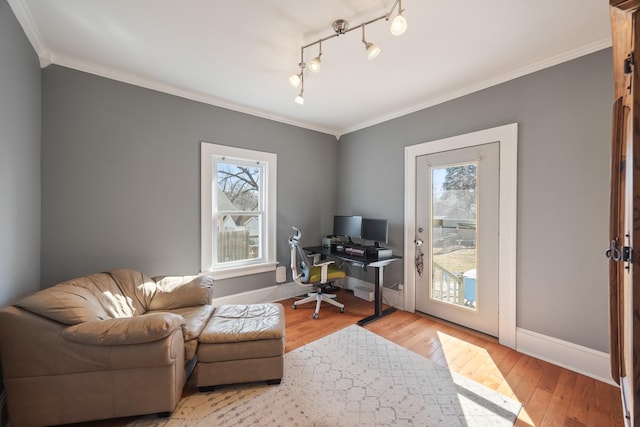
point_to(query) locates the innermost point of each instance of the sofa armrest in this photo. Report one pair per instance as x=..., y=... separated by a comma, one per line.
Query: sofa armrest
x=178, y=292
x=125, y=331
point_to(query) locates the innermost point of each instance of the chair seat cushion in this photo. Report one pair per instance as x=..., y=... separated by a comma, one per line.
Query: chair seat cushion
x=333, y=273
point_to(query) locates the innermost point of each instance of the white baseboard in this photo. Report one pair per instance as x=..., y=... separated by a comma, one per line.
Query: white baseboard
x=269, y=294
x=584, y=360
x=389, y=296
x=291, y=289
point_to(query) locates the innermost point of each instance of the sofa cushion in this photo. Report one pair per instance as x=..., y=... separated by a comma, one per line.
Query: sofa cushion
x=239, y=323
x=66, y=304
x=137, y=289
x=195, y=320
x=124, y=331
x=181, y=291
x=100, y=296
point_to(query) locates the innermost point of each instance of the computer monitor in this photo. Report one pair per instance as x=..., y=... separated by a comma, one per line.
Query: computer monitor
x=347, y=226
x=376, y=230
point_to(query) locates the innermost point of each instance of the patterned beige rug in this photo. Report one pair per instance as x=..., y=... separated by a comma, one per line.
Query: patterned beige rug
x=350, y=378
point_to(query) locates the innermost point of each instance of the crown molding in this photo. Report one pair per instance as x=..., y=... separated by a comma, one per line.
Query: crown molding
x=494, y=81
x=152, y=84
x=47, y=57
x=136, y=80
x=25, y=18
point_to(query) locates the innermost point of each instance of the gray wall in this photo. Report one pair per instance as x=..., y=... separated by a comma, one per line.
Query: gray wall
x=564, y=117
x=19, y=161
x=120, y=175
x=121, y=178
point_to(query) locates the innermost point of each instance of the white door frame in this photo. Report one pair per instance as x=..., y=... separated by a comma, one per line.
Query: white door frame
x=507, y=136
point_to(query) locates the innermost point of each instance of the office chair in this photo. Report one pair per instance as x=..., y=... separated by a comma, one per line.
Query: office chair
x=313, y=275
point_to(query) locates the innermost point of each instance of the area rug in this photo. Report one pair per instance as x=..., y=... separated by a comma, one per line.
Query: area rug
x=352, y=377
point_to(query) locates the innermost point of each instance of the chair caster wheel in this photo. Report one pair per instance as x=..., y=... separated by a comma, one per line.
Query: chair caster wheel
x=342, y=310
x=315, y=315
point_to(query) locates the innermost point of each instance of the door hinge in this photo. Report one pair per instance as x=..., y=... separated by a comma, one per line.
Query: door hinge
x=628, y=64
x=626, y=255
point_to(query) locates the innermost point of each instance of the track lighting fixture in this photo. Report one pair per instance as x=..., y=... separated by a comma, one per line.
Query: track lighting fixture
x=371, y=49
x=314, y=65
x=340, y=27
x=399, y=24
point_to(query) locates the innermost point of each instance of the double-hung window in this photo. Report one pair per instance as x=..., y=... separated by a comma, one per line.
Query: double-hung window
x=238, y=222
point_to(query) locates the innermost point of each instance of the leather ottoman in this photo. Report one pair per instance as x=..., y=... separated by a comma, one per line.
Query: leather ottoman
x=241, y=343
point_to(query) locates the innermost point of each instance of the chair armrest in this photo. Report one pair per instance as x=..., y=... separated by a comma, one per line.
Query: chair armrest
x=325, y=268
x=123, y=331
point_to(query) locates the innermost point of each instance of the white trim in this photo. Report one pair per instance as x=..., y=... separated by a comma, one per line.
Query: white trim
x=625, y=392
x=507, y=136
x=246, y=270
x=207, y=152
x=171, y=89
x=508, y=235
x=262, y=295
x=584, y=360
x=478, y=86
x=28, y=24
x=25, y=18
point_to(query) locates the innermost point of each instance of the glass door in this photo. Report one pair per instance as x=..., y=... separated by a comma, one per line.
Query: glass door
x=457, y=236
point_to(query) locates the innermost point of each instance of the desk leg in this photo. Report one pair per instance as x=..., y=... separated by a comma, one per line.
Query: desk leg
x=378, y=311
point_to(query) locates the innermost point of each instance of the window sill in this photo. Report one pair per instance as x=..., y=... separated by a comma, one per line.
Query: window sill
x=242, y=271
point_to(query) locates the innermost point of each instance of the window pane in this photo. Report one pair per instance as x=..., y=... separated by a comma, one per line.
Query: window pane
x=238, y=210
x=238, y=238
x=453, y=234
x=238, y=187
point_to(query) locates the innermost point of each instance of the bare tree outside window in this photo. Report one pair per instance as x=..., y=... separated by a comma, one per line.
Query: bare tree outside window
x=240, y=184
x=238, y=211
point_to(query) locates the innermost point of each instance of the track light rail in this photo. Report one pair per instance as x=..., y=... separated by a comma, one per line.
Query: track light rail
x=341, y=26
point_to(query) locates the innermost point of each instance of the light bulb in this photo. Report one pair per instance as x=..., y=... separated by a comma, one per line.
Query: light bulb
x=299, y=99
x=398, y=25
x=314, y=65
x=372, y=50
x=294, y=80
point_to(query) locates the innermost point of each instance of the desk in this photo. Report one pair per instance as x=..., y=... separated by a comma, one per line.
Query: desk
x=378, y=264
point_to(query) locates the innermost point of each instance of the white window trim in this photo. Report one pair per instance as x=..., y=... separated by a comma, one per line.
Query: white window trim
x=207, y=152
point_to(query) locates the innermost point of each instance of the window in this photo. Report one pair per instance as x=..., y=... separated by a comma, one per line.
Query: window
x=238, y=215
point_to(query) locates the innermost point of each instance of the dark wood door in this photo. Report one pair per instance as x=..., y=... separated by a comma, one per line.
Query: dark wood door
x=625, y=208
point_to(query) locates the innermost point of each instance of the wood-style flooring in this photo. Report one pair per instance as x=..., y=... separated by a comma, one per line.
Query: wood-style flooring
x=550, y=395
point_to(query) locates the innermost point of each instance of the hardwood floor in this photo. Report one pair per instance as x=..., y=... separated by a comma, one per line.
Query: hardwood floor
x=550, y=395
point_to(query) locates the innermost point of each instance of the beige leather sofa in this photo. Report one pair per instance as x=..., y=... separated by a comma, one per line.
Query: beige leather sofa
x=101, y=346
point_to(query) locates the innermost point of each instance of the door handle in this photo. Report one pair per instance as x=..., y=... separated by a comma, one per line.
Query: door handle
x=419, y=257
x=624, y=254
x=613, y=253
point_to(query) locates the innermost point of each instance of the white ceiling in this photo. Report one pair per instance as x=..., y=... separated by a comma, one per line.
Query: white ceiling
x=239, y=54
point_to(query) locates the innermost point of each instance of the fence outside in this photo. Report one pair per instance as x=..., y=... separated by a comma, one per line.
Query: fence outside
x=236, y=246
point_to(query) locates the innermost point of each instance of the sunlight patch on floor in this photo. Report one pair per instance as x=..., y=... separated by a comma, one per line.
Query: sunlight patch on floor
x=476, y=363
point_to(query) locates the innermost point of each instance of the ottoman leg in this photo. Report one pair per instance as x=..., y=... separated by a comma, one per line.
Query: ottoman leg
x=274, y=382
